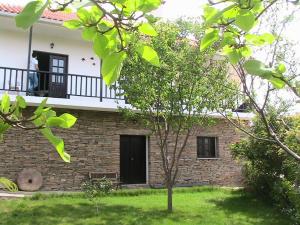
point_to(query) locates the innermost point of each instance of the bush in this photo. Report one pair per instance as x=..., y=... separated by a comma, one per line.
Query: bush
x=268, y=170
x=96, y=188
x=93, y=189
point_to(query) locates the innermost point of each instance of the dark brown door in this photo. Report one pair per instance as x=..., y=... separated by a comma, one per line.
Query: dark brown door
x=58, y=76
x=133, y=159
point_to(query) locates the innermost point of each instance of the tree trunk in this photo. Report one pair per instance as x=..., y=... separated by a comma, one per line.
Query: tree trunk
x=170, y=198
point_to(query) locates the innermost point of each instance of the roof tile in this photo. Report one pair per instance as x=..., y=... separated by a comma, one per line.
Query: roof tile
x=56, y=16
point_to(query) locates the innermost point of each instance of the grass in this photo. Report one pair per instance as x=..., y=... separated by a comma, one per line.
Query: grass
x=204, y=205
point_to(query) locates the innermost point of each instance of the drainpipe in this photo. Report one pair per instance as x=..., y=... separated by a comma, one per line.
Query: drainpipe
x=29, y=55
x=29, y=49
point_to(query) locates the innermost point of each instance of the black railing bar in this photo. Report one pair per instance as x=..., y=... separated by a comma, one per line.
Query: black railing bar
x=48, y=72
x=9, y=84
x=86, y=84
x=22, y=77
x=4, y=82
x=80, y=85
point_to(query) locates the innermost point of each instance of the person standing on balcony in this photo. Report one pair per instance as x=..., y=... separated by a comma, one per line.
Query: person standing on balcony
x=33, y=77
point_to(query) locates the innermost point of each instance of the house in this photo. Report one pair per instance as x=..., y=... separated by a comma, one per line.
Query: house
x=101, y=141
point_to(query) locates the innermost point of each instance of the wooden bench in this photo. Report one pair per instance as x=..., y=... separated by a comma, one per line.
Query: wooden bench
x=95, y=176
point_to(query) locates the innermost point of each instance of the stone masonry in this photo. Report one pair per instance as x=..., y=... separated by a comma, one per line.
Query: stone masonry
x=93, y=144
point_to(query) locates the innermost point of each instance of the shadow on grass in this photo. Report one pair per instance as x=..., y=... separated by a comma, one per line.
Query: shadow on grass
x=237, y=205
x=84, y=213
x=248, y=205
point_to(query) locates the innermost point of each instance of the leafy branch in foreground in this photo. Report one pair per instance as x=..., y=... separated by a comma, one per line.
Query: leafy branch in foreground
x=108, y=24
x=43, y=119
x=231, y=28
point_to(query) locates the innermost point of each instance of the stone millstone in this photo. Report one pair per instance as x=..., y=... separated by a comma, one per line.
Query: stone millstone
x=30, y=180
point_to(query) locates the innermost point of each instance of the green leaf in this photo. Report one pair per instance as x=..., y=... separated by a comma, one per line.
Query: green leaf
x=84, y=15
x=209, y=12
x=277, y=83
x=96, y=13
x=149, y=54
x=228, y=39
x=72, y=24
x=231, y=13
x=55, y=122
x=260, y=40
x=209, y=38
x=31, y=13
x=245, y=51
x=101, y=45
x=245, y=20
x=64, y=121
x=3, y=128
x=234, y=55
x=88, y=33
x=5, y=103
x=69, y=120
x=256, y=67
x=149, y=5
x=57, y=142
x=146, y=28
x=212, y=15
x=281, y=68
x=21, y=101
x=41, y=107
x=111, y=67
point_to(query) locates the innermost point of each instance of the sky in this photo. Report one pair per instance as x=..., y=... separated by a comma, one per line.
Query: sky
x=173, y=9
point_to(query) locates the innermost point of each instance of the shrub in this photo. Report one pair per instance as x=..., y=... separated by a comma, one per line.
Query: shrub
x=94, y=189
x=268, y=170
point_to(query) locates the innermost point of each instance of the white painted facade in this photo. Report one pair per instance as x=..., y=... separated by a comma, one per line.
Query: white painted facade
x=14, y=45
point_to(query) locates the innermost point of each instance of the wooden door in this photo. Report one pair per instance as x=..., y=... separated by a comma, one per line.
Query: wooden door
x=133, y=159
x=58, y=76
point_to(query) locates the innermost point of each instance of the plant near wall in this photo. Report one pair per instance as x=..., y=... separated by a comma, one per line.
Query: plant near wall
x=109, y=25
x=233, y=27
x=8, y=184
x=173, y=99
x=269, y=172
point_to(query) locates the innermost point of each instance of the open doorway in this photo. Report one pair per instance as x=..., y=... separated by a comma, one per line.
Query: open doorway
x=53, y=74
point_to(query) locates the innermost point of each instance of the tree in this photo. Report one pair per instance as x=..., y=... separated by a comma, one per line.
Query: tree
x=231, y=27
x=175, y=98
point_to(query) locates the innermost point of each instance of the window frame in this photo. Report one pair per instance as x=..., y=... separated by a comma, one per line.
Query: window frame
x=216, y=142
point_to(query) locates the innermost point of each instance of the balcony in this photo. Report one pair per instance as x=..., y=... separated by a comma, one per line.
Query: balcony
x=58, y=85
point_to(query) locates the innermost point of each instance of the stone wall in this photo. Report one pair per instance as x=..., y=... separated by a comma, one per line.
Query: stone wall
x=93, y=144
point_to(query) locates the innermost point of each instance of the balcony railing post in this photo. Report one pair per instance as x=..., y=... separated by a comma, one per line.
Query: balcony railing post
x=101, y=88
x=29, y=56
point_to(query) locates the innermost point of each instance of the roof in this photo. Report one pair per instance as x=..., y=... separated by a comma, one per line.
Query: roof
x=55, y=16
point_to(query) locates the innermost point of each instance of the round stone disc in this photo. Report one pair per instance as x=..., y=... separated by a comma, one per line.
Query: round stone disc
x=30, y=180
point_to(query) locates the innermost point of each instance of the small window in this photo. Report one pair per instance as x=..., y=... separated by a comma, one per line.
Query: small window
x=207, y=147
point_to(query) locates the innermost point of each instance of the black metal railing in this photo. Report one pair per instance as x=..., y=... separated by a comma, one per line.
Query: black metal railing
x=60, y=85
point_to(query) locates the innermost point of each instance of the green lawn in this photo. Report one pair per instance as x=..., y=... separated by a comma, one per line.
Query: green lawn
x=209, y=206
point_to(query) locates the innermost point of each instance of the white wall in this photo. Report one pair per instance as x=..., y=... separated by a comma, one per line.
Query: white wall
x=14, y=46
x=14, y=53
